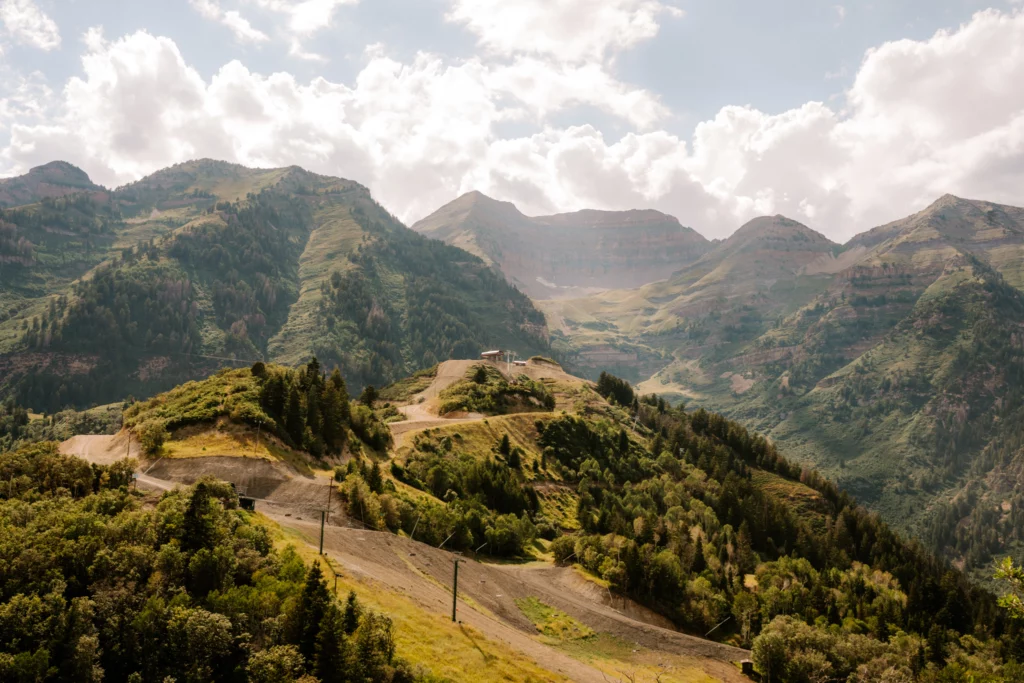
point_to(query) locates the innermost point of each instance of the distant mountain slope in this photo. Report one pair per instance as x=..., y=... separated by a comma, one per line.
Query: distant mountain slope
x=208, y=260
x=55, y=179
x=892, y=362
x=552, y=257
x=769, y=267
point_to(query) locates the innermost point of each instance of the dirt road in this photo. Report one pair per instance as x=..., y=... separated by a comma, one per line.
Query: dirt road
x=101, y=449
x=488, y=594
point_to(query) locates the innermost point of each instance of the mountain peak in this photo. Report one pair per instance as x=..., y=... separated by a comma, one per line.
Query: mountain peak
x=775, y=228
x=61, y=170
x=564, y=254
x=53, y=179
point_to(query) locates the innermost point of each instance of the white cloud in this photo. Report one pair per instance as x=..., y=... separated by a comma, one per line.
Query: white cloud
x=568, y=30
x=244, y=31
x=305, y=17
x=28, y=24
x=922, y=118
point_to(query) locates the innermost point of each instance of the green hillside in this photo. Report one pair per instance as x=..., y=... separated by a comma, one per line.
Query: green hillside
x=685, y=512
x=892, y=363
x=106, y=294
x=697, y=518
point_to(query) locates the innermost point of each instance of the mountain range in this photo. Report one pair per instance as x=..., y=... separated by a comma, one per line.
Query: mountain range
x=109, y=293
x=892, y=362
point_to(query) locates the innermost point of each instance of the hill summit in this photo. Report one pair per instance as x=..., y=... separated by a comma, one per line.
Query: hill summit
x=55, y=179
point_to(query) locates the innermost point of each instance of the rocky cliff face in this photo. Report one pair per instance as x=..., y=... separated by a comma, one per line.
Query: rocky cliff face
x=554, y=257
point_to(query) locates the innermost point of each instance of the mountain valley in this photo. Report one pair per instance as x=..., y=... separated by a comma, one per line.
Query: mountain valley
x=703, y=510
x=891, y=363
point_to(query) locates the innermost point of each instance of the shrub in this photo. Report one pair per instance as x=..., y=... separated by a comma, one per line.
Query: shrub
x=152, y=435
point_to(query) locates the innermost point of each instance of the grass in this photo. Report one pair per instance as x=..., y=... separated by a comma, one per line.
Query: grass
x=456, y=652
x=337, y=235
x=481, y=437
x=558, y=503
x=551, y=622
x=227, y=439
x=805, y=501
x=609, y=654
x=404, y=389
x=231, y=393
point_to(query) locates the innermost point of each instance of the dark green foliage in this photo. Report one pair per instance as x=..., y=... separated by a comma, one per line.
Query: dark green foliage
x=369, y=396
x=313, y=412
x=249, y=263
x=191, y=589
x=124, y=311
x=615, y=389
x=495, y=395
x=485, y=501
x=448, y=304
x=640, y=511
x=54, y=241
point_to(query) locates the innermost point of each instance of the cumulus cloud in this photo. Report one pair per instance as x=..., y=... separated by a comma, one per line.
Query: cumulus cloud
x=568, y=30
x=244, y=31
x=922, y=118
x=28, y=24
x=305, y=17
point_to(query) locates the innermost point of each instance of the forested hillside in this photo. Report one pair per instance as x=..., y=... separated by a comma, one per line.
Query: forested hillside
x=102, y=584
x=703, y=521
x=110, y=294
x=891, y=363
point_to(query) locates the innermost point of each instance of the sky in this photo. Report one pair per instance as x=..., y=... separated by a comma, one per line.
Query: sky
x=843, y=116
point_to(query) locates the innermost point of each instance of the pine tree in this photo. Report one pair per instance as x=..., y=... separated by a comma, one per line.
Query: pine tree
x=353, y=612
x=374, y=479
x=699, y=563
x=313, y=604
x=198, y=524
x=504, y=446
x=294, y=422
x=332, y=648
x=338, y=382
x=333, y=428
x=313, y=413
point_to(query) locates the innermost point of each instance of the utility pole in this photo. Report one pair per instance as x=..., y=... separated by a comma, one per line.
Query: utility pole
x=330, y=486
x=412, y=536
x=128, y=454
x=255, y=447
x=455, y=588
x=321, y=532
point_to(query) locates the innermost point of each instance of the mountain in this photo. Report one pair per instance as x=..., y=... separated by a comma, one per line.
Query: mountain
x=55, y=179
x=129, y=291
x=892, y=363
x=553, y=257
x=767, y=268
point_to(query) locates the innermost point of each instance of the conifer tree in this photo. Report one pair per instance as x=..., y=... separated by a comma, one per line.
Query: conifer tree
x=313, y=604
x=294, y=422
x=353, y=612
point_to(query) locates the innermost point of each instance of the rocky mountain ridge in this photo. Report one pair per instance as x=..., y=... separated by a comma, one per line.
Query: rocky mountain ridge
x=558, y=256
